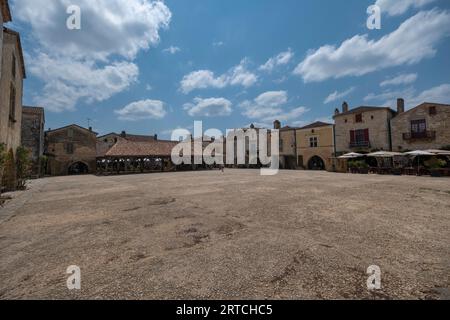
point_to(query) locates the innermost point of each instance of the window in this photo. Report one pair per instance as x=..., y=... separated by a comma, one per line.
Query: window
x=12, y=103
x=432, y=111
x=70, y=133
x=13, y=71
x=69, y=148
x=359, y=138
x=359, y=118
x=418, y=128
x=313, y=142
x=281, y=145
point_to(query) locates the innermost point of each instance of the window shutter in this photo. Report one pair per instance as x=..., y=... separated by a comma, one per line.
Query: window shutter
x=366, y=134
x=352, y=136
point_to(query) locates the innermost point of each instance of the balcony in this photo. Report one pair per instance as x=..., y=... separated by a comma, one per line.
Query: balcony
x=425, y=135
x=360, y=144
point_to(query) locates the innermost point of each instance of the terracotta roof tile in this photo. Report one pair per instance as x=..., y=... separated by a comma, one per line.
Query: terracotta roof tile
x=126, y=148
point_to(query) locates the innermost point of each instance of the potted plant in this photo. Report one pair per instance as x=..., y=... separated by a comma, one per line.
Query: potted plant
x=435, y=166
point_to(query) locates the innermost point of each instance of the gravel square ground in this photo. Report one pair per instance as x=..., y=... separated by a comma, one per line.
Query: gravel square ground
x=232, y=235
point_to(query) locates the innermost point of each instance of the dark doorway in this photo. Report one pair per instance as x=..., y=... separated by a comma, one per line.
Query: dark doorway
x=78, y=168
x=316, y=163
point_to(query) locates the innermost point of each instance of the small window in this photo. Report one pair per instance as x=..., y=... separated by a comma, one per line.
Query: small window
x=372, y=117
x=13, y=71
x=69, y=148
x=313, y=142
x=12, y=103
x=70, y=133
x=281, y=145
x=433, y=111
x=359, y=118
x=346, y=120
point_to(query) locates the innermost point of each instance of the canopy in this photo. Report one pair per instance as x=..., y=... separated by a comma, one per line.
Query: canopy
x=439, y=152
x=420, y=153
x=384, y=154
x=351, y=155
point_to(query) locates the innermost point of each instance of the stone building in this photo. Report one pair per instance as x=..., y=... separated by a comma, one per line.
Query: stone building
x=71, y=150
x=315, y=146
x=11, y=87
x=363, y=129
x=33, y=122
x=5, y=16
x=424, y=127
x=288, y=146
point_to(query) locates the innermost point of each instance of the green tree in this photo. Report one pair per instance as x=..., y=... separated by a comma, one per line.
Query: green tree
x=9, y=174
x=23, y=166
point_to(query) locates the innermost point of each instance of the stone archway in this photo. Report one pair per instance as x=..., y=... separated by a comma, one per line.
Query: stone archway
x=316, y=163
x=78, y=168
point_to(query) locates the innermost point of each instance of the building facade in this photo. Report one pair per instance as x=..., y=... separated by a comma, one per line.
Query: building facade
x=11, y=88
x=424, y=127
x=5, y=16
x=71, y=150
x=33, y=122
x=288, y=146
x=315, y=146
x=363, y=129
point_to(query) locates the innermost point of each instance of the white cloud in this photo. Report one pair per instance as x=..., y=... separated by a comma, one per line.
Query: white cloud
x=268, y=107
x=108, y=27
x=211, y=107
x=172, y=50
x=272, y=98
x=338, y=95
x=203, y=79
x=282, y=58
x=398, y=7
x=218, y=44
x=415, y=40
x=438, y=94
x=67, y=81
x=399, y=80
x=141, y=110
x=94, y=63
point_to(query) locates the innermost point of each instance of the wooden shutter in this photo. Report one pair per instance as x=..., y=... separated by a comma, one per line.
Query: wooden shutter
x=352, y=136
x=366, y=135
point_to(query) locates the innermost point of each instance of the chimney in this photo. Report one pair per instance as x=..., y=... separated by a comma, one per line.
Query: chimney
x=400, y=105
x=336, y=112
x=90, y=129
x=277, y=125
x=123, y=134
x=345, y=107
x=155, y=137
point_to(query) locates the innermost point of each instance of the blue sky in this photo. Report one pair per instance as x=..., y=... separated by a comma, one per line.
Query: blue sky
x=150, y=67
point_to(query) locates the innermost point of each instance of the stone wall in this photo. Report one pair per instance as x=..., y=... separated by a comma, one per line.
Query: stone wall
x=84, y=144
x=376, y=120
x=324, y=149
x=10, y=127
x=33, y=122
x=437, y=125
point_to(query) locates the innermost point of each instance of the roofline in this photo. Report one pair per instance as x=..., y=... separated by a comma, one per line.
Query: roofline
x=27, y=109
x=6, y=12
x=324, y=124
x=71, y=125
x=422, y=104
x=19, y=45
x=374, y=108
